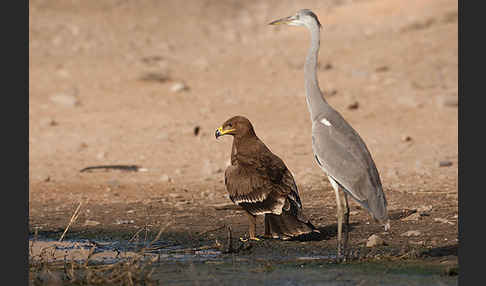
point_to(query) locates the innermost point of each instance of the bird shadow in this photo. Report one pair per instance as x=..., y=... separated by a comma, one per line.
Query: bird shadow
x=449, y=250
x=325, y=233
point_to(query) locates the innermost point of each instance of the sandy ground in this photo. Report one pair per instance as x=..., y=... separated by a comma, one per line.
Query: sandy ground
x=127, y=82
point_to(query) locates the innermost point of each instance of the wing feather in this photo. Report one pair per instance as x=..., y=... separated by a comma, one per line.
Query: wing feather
x=343, y=155
x=261, y=186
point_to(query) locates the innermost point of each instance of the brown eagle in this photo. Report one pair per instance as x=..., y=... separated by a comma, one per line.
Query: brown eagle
x=258, y=181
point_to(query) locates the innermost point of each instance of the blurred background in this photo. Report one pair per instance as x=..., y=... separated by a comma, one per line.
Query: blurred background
x=148, y=82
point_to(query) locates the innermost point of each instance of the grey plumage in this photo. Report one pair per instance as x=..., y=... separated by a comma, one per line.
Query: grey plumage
x=338, y=149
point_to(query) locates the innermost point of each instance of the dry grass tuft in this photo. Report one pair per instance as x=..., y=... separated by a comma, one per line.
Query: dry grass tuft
x=137, y=269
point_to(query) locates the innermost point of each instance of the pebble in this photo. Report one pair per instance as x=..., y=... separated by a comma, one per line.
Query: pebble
x=155, y=76
x=406, y=138
x=449, y=100
x=445, y=163
x=91, y=223
x=82, y=146
x=423, y=210
x=65, y=99
x=443, y=220
x=165, y=178
x=353, y=105
x=327, y=66
x=124, y=221
x=382, y=69
x=411, y=233
x=179, y=87
x=196, y=130
x=163, y=136
x=374, y=240
x=101, y=155
x=413, y=217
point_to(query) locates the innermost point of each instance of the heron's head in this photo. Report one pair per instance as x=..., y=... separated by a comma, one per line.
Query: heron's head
x=303, y=17
x=236, y=126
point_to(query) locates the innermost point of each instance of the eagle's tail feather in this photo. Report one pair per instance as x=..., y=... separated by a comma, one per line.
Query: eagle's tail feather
x=289, y=224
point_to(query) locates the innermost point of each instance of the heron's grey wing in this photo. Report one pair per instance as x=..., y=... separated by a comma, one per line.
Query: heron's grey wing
x=343, y=155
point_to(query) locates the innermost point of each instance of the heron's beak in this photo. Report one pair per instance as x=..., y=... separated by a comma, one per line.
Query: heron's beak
x=284, y=20
x=221, y=132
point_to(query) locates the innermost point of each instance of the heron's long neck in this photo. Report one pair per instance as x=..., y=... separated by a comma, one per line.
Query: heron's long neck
x=314, y=98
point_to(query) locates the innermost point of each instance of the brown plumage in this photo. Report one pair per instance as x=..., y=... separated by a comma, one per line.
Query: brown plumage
x=259, y=182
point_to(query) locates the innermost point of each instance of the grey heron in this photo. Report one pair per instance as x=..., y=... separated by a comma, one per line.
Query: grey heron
x=338, y=149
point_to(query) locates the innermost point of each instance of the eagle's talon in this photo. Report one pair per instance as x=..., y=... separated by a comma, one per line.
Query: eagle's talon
x=248, y=239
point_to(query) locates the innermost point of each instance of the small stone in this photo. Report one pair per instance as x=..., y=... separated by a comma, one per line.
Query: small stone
x=47, y=179
x=124, y=221
x=163, y=136
x=65, y=99
x=63, y=73
x=413, y=217
x=424, y=210
x=202, y=64
x=196, y=130
x=155, y=76
x=443, y=220
x=374, y=240
x=449, y=100
x=382, y=69
x=82, y=146
x=91, y=223
x=445, y=163
x=101, y=155
x=179, y=87
x=406, y=138
x=411, y=233
x=353, y=105
x=327, y=66
x=165, y=178
x=452, y=270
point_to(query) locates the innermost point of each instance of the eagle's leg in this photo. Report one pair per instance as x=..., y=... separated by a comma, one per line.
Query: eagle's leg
x=268, y=227
x=346, y=222
x=339, y=215
x=251, y=227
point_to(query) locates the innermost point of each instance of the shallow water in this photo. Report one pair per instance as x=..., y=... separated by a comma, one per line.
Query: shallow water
x=181, y=266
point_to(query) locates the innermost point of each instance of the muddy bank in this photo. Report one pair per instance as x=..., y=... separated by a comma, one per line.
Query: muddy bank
x=255, y=262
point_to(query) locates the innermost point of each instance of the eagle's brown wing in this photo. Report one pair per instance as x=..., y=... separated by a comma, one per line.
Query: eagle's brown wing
x=261, y=185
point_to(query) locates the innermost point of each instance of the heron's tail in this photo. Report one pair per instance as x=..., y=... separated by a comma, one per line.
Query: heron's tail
x=289, y=224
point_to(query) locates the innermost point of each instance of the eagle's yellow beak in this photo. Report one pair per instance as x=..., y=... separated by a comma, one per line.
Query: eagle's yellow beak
x=221, y=132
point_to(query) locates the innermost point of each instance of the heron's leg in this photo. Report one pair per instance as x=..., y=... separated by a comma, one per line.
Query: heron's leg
x=346, y=222
x=339, y=213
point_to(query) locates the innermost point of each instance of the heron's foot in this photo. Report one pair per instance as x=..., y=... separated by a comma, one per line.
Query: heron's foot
x=342, y=254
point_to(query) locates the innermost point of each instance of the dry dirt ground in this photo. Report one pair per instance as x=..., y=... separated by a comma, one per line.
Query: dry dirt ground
x=105, y=88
